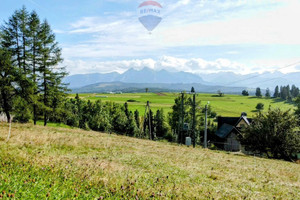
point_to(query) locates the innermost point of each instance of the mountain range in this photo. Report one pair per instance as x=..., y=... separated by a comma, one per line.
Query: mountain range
x=146, y=75
x=173, y=81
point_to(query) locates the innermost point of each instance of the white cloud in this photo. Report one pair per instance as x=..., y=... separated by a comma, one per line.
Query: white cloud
x=194, y=65
x=189, y=23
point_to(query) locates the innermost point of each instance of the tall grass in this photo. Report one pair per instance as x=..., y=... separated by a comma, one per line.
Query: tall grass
x=58, y=163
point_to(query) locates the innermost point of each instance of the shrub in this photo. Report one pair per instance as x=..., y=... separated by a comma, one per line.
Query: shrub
x=260, y=106
x=274, y=134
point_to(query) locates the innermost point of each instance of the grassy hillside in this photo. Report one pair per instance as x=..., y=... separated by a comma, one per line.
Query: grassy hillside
x=59, y=163
x=230, y=105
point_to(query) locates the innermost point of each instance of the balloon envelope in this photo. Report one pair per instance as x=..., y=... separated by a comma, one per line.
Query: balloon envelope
x=150, y=14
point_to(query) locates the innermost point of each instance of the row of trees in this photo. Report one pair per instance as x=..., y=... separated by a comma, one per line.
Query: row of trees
x=283, y=92
x=286, y=92
x=31, y=79
x=111, y=117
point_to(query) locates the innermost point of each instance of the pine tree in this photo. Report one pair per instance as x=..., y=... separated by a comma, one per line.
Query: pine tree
x=160, y=127
x=131, y=128
x=15, y=39
x=294, y=91
x=276, y=93
x=50, y=77
x=177, y=114
x=34, y=28
x=284, y=93
x=281, y=92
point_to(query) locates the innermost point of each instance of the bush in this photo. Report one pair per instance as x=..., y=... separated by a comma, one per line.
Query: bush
x=274, y=134
x=245, y=93
x=260, y=106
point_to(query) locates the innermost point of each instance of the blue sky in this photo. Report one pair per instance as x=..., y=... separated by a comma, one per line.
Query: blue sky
x=198, y=36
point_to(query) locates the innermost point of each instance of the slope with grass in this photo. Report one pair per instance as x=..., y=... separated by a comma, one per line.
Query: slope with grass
x=58, y=163
x=229, y=105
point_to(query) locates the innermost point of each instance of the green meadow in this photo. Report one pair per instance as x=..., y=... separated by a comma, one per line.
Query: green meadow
x=229, y=105
x=58, y=163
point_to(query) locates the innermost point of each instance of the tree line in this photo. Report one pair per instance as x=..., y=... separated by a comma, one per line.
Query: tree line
x=286, y=92
x=283, y=92
x=116, y=118
x=111, y=117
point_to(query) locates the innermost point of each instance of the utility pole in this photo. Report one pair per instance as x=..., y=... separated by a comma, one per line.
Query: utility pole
x=205, y=130
x=194, y=120
x=182, y=119
x=149, y=116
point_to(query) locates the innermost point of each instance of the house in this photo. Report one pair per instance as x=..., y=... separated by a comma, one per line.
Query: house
x=228, y=130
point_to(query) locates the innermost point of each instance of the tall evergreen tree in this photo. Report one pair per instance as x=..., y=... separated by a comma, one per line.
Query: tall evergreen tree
x=131, y=128
x=178, y=113
x=15, y=38
x=294, y=91
x=35, y=43
x=160, y=128
x=276, y=93
x=50, y=77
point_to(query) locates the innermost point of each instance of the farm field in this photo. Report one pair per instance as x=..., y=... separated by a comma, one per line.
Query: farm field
x=59, y=163
x=229, y=105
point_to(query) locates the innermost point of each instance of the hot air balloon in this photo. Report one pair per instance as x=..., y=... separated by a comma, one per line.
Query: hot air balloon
x=150, y=14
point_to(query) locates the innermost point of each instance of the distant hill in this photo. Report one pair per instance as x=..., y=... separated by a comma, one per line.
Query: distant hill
x=156, y=87
x=145, y=75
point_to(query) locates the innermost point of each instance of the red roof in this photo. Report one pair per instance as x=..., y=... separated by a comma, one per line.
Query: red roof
x=150, y=3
